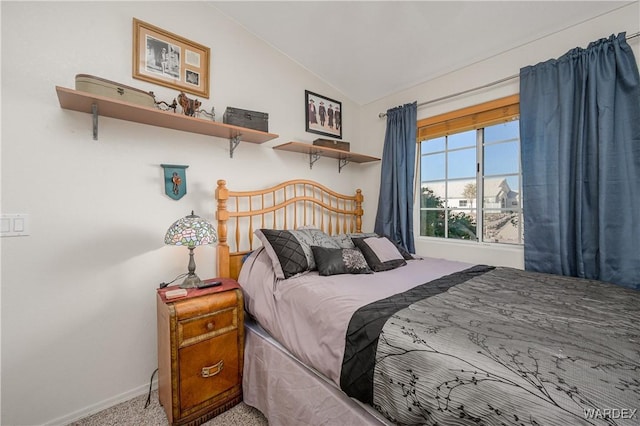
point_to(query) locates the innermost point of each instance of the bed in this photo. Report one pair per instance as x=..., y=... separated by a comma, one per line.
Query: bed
x=346, y=328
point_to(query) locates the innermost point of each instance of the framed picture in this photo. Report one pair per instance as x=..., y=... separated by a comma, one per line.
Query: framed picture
x=323, y=115
x=169, y=60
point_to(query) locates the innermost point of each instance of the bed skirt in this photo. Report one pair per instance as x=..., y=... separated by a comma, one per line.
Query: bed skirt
x=290, y=393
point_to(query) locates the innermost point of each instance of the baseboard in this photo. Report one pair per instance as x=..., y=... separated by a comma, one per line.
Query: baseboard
x=102, y=405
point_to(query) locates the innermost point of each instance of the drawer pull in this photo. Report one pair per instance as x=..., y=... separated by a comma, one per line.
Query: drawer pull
x=210, y=326
x=212, y=370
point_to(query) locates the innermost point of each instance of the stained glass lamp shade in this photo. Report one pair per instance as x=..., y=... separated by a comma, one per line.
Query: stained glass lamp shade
x=190, y=231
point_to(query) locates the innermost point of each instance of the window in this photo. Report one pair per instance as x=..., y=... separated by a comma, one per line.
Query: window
x=470, y=178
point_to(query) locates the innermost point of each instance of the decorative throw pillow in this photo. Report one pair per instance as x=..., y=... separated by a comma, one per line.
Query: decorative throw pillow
x=344, y=240
x=290, y=251
x=381, y=254
x=405, y=254
x=332, y=261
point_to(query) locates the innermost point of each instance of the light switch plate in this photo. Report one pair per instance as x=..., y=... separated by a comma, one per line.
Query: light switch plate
x=6, y=224
x=14, y=225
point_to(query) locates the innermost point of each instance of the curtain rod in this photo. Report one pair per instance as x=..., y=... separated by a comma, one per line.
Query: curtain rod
x=493, y=83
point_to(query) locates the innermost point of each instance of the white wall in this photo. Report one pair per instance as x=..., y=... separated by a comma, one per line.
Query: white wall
x=507, y=64
x=78, y=308
x=78, y=294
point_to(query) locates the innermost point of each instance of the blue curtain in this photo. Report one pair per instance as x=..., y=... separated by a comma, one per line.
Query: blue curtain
x=580, y=134
x=395, y=203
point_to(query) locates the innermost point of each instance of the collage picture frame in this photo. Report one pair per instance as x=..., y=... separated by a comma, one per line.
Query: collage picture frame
x=170, y=60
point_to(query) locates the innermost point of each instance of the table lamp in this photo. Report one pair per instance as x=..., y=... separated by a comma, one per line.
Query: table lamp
x=190, y=231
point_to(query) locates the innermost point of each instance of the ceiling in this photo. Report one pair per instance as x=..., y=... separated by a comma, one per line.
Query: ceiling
x=370, y=49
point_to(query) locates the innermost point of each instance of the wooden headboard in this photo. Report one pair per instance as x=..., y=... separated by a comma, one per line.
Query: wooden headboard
x=289, y=205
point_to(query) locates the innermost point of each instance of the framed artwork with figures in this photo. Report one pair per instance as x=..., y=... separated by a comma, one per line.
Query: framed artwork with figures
x=323, y=115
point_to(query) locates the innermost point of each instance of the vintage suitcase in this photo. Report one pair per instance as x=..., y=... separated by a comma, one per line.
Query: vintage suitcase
x=111, y=89
x=329, y=143
x=244, y=118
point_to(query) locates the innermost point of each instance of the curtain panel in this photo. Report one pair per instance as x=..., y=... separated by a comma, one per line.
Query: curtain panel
x=580, y=135
x=394, y=217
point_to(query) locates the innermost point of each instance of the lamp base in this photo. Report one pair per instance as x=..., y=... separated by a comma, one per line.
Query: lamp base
x=191, y=281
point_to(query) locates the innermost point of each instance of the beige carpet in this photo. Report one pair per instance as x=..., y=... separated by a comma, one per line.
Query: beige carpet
x=132, y=412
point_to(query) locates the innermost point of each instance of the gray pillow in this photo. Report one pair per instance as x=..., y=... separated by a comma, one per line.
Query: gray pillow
x=290, y=251
x=344, y=240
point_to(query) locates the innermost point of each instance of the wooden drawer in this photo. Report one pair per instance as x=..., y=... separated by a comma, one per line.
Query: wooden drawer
x=194, y=330
x=208, y=370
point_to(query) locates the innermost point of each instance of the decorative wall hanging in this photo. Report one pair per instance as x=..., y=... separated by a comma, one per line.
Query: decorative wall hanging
x=169, y=60
x=175, y=180
x=323, y=115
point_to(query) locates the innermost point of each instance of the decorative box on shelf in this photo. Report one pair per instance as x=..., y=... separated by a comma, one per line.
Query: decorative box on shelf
x=244, y=118
x=111, y=89
x=330, y=143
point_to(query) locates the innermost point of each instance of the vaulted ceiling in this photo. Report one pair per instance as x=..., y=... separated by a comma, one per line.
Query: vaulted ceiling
x=370, y=49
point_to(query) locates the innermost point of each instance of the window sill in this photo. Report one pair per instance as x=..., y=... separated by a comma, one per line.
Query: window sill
x=511, y=255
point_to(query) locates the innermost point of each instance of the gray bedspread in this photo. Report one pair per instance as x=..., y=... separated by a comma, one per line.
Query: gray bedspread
x=515, y=348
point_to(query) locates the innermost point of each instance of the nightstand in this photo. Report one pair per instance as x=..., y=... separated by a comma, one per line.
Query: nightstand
x=200, y=352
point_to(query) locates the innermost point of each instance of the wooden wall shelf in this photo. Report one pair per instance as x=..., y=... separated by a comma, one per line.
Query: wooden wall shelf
x=99, y=105
x=315, y=152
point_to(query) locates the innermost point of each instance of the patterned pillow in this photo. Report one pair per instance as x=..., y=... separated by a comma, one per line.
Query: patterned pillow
x=344, y=240
x=332, y=261
x=290, y=251
x=381, y=254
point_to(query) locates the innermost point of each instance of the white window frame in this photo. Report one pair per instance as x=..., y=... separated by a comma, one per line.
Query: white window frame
x=476, y=118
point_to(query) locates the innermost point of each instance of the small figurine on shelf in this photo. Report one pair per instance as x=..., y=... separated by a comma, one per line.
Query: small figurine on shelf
x=211, y=115
x=189, y=106
x=167, y=106
x=162, y=105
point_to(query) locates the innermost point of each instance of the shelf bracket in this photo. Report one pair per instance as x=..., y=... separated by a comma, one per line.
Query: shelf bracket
x=313, y=157
x=94, y=112
x=342, y=162
x=233, y=144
